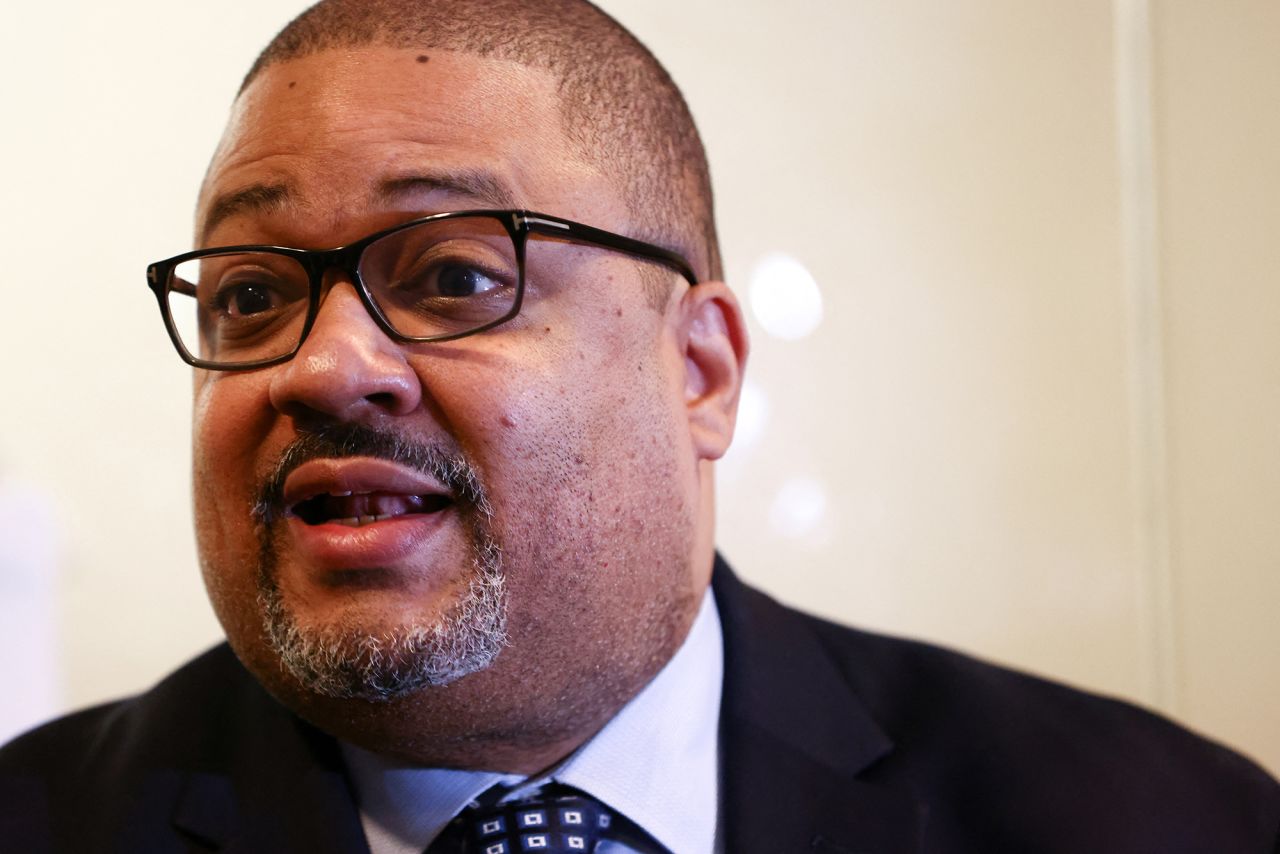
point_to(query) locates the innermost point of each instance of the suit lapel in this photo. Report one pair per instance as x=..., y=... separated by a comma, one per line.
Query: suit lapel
x=797, y=743
x=273, y=783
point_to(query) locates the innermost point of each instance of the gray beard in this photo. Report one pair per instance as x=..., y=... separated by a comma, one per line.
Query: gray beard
x=348, y=662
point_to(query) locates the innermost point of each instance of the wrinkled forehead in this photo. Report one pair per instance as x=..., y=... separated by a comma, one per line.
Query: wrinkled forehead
x=345, y=130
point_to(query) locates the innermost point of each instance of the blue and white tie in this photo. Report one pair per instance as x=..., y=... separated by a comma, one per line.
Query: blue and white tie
x=555, y=819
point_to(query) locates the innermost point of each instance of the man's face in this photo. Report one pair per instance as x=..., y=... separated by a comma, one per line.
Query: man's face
x=549, y=469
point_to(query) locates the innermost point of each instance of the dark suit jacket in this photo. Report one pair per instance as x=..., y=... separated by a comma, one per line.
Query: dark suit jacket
x=832, y=740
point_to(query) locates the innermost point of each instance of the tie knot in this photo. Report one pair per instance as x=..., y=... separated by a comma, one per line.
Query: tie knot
x=555, y=819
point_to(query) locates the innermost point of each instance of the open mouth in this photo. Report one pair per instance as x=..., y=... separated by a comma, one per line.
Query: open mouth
x=355, y=509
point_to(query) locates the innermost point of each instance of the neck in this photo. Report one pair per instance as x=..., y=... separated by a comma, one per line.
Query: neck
x=436, y=728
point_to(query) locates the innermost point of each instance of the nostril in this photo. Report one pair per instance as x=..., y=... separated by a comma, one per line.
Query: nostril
x=306, y=418
x=383, y=399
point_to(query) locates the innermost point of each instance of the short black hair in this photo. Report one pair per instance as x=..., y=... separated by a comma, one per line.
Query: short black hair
x=620, y=107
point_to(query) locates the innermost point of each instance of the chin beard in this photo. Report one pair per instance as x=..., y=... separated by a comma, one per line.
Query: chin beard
x=346, y=661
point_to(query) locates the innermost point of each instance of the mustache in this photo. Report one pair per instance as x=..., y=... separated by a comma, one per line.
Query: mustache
x=338, y=441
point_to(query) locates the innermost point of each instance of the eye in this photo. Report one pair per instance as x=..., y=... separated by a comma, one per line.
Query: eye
x=245, y=306
x=443, y=276
x=245, y=287
x=456, y=280
x=439, y=280
x=247, y=299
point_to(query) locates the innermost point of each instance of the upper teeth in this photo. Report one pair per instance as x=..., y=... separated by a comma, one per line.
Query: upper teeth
x=357, y=521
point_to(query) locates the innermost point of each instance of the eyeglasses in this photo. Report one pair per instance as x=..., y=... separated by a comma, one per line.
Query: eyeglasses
x=436, y=278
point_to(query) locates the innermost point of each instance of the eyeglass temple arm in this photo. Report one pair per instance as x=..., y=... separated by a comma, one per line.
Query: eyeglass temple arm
x=544, y=224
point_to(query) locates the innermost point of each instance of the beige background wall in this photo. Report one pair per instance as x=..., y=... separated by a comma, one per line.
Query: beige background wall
x=1039, y=418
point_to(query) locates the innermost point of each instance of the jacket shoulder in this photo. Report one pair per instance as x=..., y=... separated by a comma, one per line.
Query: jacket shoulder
x=128, y=731
x=994, y=759
x=1011, y=749
x=111, y=777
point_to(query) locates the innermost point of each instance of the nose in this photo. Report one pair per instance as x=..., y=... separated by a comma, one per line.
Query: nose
x=347, y=369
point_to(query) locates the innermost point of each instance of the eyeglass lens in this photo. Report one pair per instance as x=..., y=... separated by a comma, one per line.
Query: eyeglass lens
x=440, y=277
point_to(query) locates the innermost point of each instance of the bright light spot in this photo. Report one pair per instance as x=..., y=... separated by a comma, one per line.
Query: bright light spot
x=799, y=507
x=753, y=414
x=784, y=297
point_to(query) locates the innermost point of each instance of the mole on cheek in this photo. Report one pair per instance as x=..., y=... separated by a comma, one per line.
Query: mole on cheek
x=422, y=57
x=293, y=83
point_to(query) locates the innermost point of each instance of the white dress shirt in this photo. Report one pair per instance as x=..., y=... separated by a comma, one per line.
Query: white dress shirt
x=656, y=763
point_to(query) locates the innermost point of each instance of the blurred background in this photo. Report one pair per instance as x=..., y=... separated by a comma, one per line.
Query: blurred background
x=1012, y=269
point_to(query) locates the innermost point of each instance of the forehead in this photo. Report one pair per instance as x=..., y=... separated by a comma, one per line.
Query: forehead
x=342, y=137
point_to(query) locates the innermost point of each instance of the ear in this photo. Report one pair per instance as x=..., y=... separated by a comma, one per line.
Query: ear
x=713, y=341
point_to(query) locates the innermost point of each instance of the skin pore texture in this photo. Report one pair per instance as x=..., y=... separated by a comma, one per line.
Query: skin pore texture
x=588, y=423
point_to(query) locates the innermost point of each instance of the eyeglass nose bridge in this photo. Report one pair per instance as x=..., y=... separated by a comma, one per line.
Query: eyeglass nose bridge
x=346, y=261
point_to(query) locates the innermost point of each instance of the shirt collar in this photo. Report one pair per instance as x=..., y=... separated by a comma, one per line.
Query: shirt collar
x=656, y=762
x=402, y=808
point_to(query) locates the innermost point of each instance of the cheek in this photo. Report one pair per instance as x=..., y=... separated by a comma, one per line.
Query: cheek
x=230, y=423
x=568, y=402
x=578, y=451
x=231, y=417
x=593, y=508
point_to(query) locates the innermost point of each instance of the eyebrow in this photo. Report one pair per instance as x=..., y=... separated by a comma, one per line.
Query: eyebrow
x=485, y=187
x=255, y=197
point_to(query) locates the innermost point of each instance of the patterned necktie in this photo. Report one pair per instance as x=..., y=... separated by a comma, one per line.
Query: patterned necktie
x=553, y=820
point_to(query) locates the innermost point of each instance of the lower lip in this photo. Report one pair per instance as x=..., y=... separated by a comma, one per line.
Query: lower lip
x=376, y=545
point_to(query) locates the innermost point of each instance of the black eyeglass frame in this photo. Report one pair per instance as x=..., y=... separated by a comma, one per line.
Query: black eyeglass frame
x=518, y=223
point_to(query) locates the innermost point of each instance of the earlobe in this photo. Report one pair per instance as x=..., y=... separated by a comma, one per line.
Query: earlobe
x=714, y=343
